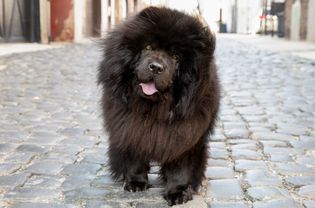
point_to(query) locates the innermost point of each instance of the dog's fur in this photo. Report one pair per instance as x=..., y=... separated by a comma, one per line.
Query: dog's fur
x=172, y=126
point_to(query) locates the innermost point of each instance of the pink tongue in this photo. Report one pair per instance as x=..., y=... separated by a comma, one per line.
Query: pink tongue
x=148, y=88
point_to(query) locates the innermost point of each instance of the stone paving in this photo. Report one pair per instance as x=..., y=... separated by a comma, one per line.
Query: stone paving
x=53, y=150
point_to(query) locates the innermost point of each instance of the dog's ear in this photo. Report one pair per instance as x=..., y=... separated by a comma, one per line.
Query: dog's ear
x=114, y=71
x=209, y=39
x=184, y=88
x=147, y=12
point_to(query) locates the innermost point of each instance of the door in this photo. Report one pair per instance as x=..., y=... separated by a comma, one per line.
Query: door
x=19, y=21
x=62, y=20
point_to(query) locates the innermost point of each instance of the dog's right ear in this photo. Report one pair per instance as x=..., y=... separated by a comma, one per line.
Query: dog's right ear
x=114, y=70
x=148, y=12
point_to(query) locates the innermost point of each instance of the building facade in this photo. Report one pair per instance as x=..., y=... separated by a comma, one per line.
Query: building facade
x=300, y=20
x=60, y=20
x=74, y=20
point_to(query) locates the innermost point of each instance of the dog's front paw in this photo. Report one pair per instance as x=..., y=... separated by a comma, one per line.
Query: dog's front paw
x=135, y=186
x=180, y=196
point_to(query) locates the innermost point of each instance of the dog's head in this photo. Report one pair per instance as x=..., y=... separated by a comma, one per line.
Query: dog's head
x=158, y=51
x=155, y=70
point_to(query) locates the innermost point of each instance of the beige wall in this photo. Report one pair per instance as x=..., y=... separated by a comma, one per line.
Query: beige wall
x=287, y=19
x=104, y=17
x=88, y=19
x=44, y=20
x=89, y=22
x=297, y=30
x=311, y=21
x=83, y=18
x=78, y=20
x=304, y=17
x=295, y=20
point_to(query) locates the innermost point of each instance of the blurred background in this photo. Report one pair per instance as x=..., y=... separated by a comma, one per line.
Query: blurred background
x=46, y=21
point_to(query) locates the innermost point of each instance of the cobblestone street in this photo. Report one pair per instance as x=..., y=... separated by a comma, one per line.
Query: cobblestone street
x=53, y=150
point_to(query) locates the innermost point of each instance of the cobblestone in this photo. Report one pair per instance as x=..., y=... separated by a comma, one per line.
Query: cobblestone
x=309, y=204
x=305, y=159
x=47, y=167
x=76, y=182
x=32, y=148
x=74, y=195
x=245, y=154
x=300, y=180
x=294, y=169
x=49, y=182
x=305, y=142
x=264, y=193
x=242, y=165
x=307, y=191
x=88, y=169
x=218, y=162
x=219, y=173
x=272, y=136
x=151, y=205
x=20, y=157
x=276, y=157
x=237, y=133
x=261, y=177
x=13, y=180
x=41, y=205
x=53, y=149
x=218, y=153
x=30, y=194
x=224, y=189
x=277, y=204
x=228, y=205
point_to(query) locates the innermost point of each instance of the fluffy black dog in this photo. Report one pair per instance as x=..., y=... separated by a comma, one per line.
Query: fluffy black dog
x=160, y=99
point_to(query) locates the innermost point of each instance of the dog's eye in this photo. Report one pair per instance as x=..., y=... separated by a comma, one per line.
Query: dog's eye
x=176, y=57
x=148, y=47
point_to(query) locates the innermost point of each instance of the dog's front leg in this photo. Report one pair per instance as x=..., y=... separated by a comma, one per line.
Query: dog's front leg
x=183, y=176
x=133, y=169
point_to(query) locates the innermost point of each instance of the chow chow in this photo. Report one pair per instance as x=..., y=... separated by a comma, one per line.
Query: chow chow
x=160, y=99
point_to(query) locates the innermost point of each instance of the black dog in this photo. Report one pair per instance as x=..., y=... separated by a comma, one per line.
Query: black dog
x=160, y=99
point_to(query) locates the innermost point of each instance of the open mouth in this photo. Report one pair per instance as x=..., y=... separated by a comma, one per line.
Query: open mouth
x=148, y=88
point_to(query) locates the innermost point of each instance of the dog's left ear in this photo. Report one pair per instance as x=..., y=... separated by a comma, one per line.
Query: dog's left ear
x=206, y=30
x=209, y=39
x=184, y=88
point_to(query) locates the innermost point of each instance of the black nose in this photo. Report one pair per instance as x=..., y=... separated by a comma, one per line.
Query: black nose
x=156, y=67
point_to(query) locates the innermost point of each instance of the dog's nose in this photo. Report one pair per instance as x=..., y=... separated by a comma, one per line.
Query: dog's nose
x=156, y=68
